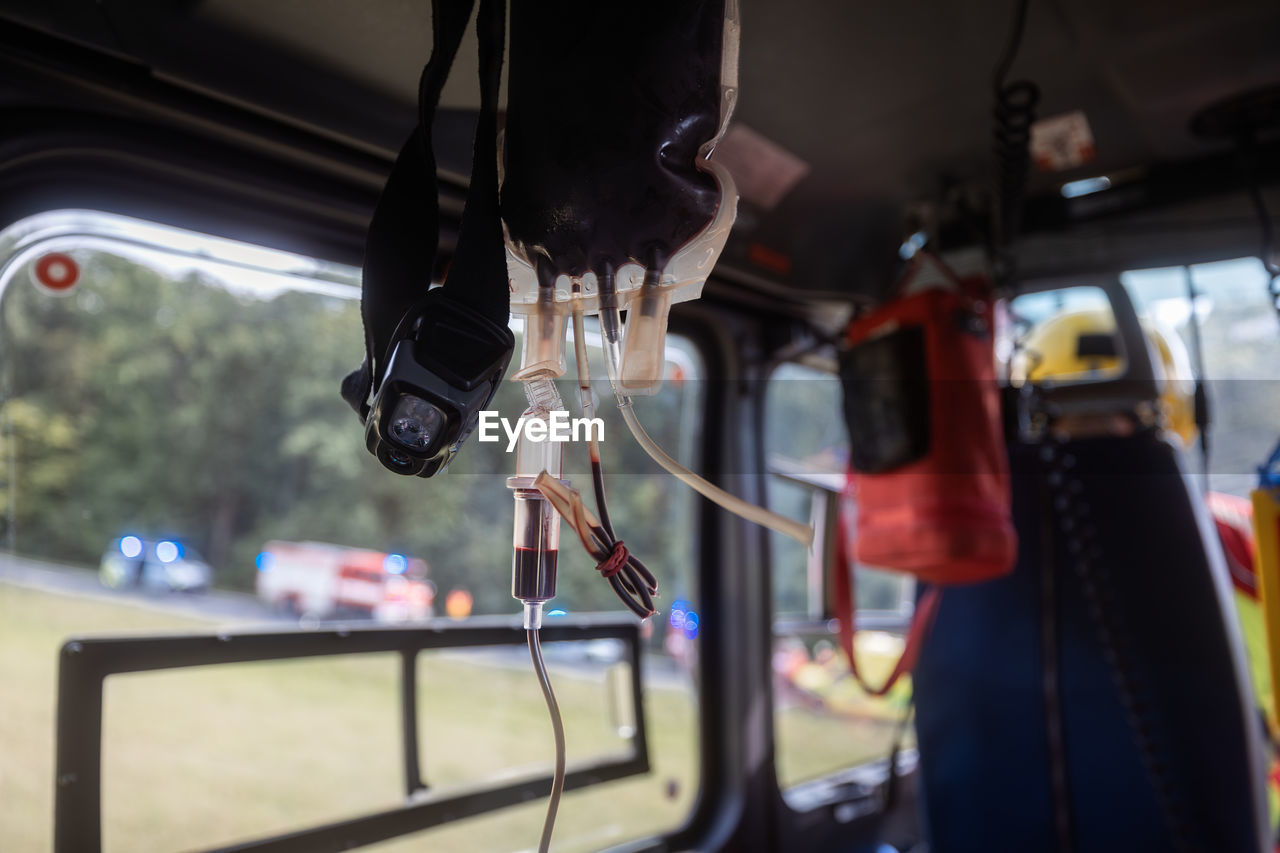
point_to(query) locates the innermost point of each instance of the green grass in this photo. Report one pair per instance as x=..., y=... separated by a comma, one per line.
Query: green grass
x=851, y=727
x=199, y=757
x=209, y=755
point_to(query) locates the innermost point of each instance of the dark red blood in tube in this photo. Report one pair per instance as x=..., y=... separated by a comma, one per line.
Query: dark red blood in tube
x=533, y=576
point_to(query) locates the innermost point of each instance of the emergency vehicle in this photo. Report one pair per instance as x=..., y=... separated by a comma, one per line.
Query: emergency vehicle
x=318, y=580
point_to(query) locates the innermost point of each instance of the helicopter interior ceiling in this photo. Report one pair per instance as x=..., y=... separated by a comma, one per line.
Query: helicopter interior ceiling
x=851, y=113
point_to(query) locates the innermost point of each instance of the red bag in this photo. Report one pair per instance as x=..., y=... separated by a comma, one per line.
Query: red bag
x=930, y=466
x=929, y=474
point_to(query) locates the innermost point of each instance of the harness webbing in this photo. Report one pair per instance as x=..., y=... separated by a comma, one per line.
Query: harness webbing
x=404, y=233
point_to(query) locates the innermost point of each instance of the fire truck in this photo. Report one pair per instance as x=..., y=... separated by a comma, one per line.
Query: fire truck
x=319, y=580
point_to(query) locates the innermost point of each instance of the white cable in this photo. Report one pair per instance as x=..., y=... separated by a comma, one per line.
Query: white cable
x=611, y=338
x=802, y=533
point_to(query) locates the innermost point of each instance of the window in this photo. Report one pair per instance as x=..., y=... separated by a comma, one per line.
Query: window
x=823, y=721
x=170, y=400
x=1240, y=336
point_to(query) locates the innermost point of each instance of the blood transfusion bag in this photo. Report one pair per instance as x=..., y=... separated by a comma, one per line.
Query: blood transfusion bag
x=610, y=198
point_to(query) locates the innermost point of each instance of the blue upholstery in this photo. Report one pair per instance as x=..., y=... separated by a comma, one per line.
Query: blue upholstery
x=981, y=719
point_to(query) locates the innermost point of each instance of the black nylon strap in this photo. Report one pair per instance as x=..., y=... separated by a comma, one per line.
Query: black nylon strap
x=404, y=233
x=478, y=275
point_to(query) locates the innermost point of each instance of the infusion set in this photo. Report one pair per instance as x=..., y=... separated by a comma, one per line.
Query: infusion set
x=603, y=198
x=612, y=200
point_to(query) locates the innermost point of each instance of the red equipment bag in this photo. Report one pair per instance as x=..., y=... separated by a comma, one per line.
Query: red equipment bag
x=929, y=474
x=927, y=449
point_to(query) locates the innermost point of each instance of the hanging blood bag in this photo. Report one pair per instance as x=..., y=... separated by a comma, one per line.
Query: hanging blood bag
x=609, y=190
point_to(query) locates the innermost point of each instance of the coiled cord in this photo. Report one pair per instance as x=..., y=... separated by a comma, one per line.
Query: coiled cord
x=1015, y=112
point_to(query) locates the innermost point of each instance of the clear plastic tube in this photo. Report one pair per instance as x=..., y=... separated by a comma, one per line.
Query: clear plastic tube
x=536, y=541
x=644, y=343
x=536, y=529
x=543, y=351
x=557, y=729
x=584, y=373
x=610, y=334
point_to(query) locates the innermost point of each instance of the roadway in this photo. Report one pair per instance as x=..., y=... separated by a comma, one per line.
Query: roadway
x=222, y=607
x=214, y=605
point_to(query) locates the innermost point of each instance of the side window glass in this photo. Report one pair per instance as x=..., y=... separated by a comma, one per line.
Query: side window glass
x=174, y=455
x=1237, y=329
x=823, y=721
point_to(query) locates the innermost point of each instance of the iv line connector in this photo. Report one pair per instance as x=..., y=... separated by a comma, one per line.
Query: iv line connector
x=532, y=615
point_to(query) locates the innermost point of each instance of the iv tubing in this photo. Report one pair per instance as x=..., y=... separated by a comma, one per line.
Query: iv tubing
x=533, y=584
x=588, y=411
x=802, y=533
x=557, y=727
x=610, y=323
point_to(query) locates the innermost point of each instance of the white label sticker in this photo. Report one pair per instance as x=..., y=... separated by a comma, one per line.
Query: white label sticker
x=763, y=170
x=1062, y=142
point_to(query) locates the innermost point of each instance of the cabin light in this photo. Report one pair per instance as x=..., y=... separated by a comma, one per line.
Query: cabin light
x=1085, y=186
x=131, y=546
x=395, y=564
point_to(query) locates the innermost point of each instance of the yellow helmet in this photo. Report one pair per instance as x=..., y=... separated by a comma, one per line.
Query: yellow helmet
x=1080, y=346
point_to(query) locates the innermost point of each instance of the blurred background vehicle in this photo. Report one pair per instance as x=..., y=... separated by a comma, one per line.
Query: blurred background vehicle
x=164, y=565
x=317, y=580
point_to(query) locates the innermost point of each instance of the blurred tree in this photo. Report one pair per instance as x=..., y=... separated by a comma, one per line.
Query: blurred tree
x=180, y=407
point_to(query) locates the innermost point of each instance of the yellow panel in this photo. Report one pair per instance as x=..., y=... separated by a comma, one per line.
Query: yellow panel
x=1266, y=525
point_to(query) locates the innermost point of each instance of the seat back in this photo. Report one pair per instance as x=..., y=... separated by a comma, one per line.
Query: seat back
x=1095, y=699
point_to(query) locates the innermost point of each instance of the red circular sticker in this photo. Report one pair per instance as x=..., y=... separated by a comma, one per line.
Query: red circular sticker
x=57, y=272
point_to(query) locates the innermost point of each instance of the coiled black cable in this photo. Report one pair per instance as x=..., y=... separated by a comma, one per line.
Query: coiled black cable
x=1015, y=112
